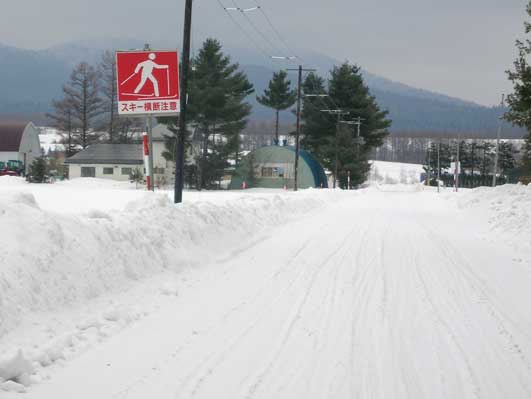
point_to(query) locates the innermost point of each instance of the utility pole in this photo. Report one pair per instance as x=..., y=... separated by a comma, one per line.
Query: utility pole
x=339, y=113
x=179, y=156
x=300, y=69
x=429, y=165
x=457, y=165
x=149, y=128
x=498, y=136
x=439, y=166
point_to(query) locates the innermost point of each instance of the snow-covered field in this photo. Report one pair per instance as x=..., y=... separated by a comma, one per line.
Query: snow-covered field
x=386, y=292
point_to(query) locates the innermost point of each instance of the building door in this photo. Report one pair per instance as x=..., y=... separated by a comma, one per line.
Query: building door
x=88, y=171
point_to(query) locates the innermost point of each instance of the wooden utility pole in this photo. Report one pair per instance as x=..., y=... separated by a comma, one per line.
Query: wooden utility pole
x=179, y=156
x=498, y=137
x=300, y=69
x=439, y=167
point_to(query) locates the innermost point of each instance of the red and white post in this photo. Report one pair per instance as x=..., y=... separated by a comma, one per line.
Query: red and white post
x=145, y=140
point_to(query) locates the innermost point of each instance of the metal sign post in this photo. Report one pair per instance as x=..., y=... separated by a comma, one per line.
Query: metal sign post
x=148, y=86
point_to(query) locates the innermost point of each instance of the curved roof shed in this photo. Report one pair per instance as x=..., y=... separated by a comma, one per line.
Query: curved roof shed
x=274, y=167
x=19, y=141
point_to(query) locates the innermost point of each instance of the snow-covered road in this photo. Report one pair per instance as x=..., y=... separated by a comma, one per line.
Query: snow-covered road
x=379, y=295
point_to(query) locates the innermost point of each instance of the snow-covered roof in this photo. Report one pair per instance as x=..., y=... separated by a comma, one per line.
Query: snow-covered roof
x=121, y=154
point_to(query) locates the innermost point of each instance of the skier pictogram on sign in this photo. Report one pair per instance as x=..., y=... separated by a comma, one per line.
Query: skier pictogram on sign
x=148, y=82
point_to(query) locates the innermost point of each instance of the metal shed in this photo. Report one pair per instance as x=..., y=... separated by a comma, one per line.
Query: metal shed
x=274, y=166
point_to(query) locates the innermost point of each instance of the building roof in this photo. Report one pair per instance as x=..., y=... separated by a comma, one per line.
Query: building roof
x=118, y=154
x=11, y=135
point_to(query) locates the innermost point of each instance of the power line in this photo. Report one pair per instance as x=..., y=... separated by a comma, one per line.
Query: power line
x=245, y=33
x=255, y=28
x=275, y=30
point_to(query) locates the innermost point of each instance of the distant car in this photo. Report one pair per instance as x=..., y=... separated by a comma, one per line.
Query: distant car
x=7, y=172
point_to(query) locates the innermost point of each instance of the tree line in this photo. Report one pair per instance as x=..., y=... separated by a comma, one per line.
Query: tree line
x=219, y=111
x=476, y=160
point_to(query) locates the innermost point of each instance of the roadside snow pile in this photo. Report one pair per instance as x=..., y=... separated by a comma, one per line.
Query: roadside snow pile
x=49, y=260
x=507, y=207
x=394, y=173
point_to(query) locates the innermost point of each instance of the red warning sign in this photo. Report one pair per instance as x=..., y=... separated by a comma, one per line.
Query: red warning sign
x=148, y=82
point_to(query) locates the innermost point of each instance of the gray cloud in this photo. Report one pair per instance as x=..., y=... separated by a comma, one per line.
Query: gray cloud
x=457, y=47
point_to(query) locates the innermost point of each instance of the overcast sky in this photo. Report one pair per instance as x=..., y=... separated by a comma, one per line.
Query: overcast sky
x=456, y=47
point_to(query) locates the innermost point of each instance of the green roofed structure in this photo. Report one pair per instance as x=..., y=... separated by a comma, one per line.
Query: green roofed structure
x=274, y=166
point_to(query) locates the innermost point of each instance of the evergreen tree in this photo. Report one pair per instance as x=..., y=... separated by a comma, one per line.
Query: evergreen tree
x=38, y=170
x=520, y=100
x=325, y=138
x=486, y=150
x=278, y=96
x=506, y=158
x=317, y=126
x=218, y=109
x=438, y=155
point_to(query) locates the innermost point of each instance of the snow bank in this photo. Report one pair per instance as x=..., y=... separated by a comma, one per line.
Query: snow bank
x=49, y=260
x=508, y=209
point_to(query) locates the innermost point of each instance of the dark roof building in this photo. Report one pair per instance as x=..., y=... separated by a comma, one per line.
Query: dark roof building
x=116, y=154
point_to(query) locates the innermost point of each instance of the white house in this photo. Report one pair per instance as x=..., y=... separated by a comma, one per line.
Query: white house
x=116, y=161
x=19, y=141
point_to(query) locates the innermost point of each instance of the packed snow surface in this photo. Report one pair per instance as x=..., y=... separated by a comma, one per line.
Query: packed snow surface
x=386, y=292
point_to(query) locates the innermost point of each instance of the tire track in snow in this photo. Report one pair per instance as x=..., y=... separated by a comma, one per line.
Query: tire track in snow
x=482, y=294
x=446, y=327
x=206, y=366
x=341, y=252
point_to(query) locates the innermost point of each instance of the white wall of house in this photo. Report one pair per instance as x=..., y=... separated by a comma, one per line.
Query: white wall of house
x=102, y=171
x=164, y=170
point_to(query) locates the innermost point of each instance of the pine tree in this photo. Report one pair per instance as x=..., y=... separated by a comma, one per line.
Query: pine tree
x=317, y=126
x=38, y=170
x=324, y=137
x=487, y=151
x=439, y=157
x=278, y=96
x=218, y=109
x=520, y=100
x=506, y=159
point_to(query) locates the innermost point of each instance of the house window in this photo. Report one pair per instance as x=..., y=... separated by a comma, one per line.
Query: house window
x=88, y=171
x=127, y=171
x=158, y=171
x=273, y=172
x=267, y=172
x=278, y=172
x=108, y=171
